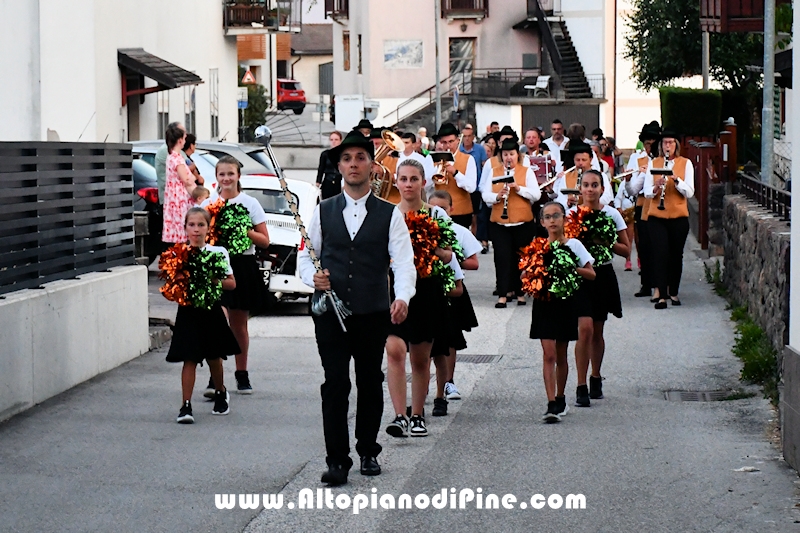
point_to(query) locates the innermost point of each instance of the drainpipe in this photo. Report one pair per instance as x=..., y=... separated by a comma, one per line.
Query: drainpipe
x=437, y=13
x=767, y=108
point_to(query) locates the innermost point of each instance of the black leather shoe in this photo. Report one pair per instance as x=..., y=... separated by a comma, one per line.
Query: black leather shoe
x=336, y=475
x=643, y=292
x=662, y=304
x=370, y=466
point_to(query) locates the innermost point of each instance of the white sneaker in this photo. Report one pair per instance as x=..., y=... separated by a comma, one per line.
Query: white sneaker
x=398, y=427
x=417, y=428
x=451, y=392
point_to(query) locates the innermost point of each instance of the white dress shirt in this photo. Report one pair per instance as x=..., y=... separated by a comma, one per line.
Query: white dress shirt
x=468, y=180
x=530, y=191
x=400, y=249
x=555, y=148
x=684, y=186
x=636, y=183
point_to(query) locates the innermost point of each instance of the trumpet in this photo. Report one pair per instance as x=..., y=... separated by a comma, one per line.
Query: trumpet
x=381, y=180
x=661, y=206
x=442, y=176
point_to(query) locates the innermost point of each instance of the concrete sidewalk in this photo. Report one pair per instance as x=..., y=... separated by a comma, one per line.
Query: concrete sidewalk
x=108, y=455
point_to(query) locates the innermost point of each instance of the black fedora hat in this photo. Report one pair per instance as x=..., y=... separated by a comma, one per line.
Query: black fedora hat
x=509, y=144
x=651, y=131
x=376, y=133
x=575, y=147
x=447, y=129
x=671, y=133
x=506, y=131
x=363, y=123
x=353, y=139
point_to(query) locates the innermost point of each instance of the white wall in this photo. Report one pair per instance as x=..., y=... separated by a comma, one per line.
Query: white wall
x=306, y=71
x=69, y=331
x=585, y=23
x=505, y=115
x=20, y=96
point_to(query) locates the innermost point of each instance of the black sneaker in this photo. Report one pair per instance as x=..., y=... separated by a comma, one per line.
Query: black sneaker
x=243, y=382
x=399, y=427
x=221, y=405
x=582, y=396
x=551, y=416
x=563, y=408
x=417, y=427
x=209, y=392
x=439, y=407
x=408, y=412
x=185, y=414
x=595, y=388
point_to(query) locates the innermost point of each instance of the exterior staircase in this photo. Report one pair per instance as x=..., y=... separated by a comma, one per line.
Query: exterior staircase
x=572, y=77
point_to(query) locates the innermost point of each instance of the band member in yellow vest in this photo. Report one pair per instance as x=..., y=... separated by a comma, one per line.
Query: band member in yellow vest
x=634, y=184
x=668, y=220
x=580, y=154
x=461, y=176
x=511, y=222
x=390, y=162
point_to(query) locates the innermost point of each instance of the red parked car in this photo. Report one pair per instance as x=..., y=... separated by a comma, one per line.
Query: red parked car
x=291, y=96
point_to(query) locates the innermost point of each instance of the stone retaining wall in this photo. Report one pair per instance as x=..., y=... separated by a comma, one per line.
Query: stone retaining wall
x=757, y=265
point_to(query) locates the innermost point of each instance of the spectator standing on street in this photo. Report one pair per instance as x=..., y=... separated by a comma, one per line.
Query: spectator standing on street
x=178, y=186
x=161, y=163
x=328, y=178
x=188, y=149
x=424, y=141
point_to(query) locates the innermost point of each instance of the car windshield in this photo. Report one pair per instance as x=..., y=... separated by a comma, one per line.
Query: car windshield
x=273, y=202
x=291, y=85
x=206, y=165
x=262, y=157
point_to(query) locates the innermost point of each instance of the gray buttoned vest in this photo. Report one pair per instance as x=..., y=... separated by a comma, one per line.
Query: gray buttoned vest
x=359, y=267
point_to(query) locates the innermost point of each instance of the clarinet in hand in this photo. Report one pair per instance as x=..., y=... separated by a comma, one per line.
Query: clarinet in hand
x=504, y=216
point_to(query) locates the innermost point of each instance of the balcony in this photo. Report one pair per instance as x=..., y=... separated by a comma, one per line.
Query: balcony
x=465, y=9
x=253, y=17
x=337, y=9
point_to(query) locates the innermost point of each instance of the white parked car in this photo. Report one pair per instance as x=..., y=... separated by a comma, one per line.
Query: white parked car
x=279, y=263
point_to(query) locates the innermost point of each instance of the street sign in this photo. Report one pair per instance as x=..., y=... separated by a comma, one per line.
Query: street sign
x=248, y=78
x=241, y=97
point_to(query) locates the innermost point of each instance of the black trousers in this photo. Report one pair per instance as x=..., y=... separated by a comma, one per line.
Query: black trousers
x=668, y=237
x=364, y=341
x=644, y=249
x=507, y=240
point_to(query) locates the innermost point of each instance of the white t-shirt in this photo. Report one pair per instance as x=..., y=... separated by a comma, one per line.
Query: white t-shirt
x=613, y=213
x=257, y=214
x=580, y=250
x=467, y=240
x=223, y=251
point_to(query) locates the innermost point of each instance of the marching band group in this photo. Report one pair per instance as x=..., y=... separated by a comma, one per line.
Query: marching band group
x=392, y=212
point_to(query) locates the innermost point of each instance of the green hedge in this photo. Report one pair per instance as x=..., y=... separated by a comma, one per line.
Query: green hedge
x=691, y=111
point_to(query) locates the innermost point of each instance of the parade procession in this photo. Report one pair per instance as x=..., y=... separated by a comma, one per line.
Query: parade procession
x=447, y=265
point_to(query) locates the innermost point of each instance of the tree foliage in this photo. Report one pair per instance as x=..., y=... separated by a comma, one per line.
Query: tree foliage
x=665, y=43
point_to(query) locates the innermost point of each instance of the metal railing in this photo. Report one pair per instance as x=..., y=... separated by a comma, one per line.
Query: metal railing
x=597, y=84
x=427, y=97
x=503, y=83
x=535, y=10
x=776, y=200
x=465, y=7
x=66, y=209
x=287, y=14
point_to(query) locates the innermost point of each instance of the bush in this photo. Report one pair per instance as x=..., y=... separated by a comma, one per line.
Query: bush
x=759, y=358
x=691, y=111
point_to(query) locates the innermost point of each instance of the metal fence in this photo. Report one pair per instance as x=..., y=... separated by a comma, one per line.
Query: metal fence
x=776, y=200
x=65, y=209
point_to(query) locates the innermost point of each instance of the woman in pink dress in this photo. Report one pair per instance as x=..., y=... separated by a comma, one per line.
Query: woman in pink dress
x=178, y=188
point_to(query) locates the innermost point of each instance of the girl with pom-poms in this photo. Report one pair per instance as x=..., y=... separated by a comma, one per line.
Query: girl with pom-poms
x=238, y=223
x=552, y=270
x=196, y=274
x=602, y=231
x=438, y=275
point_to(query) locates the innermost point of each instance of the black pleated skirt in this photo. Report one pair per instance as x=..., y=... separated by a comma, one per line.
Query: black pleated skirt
x=428, y=314
x=250, y=293
x=201, y=334
x=600, y=297
x=555, y=319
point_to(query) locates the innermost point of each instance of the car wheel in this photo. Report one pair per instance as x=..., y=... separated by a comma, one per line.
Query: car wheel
x=298, y=111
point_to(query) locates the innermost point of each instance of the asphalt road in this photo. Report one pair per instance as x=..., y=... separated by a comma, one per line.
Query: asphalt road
x=108, y=455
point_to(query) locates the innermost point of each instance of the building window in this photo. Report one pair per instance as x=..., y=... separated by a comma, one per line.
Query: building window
x=359, y=54
x=163, y=113
x=213, y=90
x=189, y=105
x=346, y=49
x=282, y=68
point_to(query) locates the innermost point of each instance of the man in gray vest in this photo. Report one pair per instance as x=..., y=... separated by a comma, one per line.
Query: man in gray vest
x=359, y=238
